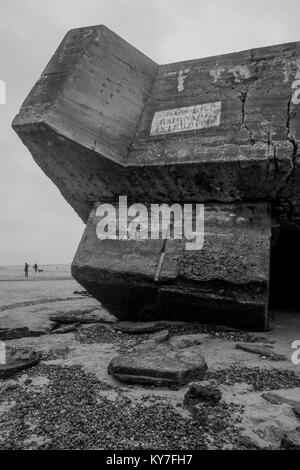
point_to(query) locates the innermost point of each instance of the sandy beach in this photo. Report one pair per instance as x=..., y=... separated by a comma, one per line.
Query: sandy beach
x=55, y=282
x=70, y=401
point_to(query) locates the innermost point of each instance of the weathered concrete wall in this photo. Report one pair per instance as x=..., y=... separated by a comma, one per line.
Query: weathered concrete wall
x=104, y=120
x=226, y=281
x=253, y=152
x=96, y=93
x=83, y=113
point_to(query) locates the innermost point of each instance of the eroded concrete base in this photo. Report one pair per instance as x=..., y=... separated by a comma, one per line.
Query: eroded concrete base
x=224, y=282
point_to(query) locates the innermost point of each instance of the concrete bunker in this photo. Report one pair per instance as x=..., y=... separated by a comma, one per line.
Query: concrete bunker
x=104, y=120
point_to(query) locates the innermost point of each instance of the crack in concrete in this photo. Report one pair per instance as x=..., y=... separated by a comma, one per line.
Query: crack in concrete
x=243, y=97
x=289, y=136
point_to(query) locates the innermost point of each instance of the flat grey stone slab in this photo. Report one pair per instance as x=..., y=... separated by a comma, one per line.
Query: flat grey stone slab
x=17, y=361
x=138, y=327
x=159, y=366
x=75, y=316
x=264, y=350
x=10, y=332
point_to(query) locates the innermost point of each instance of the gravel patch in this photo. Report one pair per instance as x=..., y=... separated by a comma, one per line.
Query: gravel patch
x=102, y=334
x=58, y=353
x=260, y=379
x=70, y=413
x=218, y=331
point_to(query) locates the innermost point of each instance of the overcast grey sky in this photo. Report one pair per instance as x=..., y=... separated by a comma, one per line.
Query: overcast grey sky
x=36, y=224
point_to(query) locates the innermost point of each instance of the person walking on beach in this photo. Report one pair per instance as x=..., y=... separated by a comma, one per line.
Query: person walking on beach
x=35, y=267
x=26, y=269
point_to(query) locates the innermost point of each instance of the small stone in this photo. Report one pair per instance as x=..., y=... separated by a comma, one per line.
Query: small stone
x=187, y=341
x=160, y=336
x=156, y=340
x=199, y=392
x=64, y=329
x=80, y=292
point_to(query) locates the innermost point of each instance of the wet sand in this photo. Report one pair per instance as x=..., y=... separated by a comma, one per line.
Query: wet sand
x=55, y=282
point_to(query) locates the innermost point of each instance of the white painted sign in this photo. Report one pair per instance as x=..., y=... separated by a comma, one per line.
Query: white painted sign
x=2, y=92
x=188, y=118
